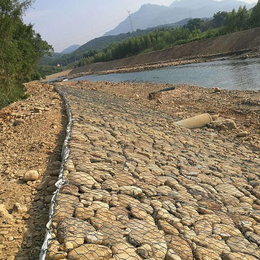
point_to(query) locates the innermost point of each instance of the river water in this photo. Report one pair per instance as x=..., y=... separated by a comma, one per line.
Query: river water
x=226, y=74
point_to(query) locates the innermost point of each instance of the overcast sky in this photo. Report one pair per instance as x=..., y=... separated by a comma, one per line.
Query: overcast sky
x=66, y=22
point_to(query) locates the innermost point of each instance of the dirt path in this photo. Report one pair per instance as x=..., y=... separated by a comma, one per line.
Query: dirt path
x=31, y=135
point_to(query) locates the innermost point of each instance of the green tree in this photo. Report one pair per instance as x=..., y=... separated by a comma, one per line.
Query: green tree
x=242, y=18
x=255, y=16
x=219, y=19
x=230, y=21
x=20, y=50
x=195, y=23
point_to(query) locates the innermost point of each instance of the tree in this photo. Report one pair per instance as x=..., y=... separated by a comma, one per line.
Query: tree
x=242, y=18
x=255, y=16
x=230, y=21
x=219, y=19
x=195, y=23
x=20, y=49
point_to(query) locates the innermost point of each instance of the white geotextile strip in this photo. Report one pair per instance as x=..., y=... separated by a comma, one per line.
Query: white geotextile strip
x=61, y=180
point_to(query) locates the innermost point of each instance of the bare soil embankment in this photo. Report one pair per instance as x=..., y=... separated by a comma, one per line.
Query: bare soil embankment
x=225, y=45
x=32, y=132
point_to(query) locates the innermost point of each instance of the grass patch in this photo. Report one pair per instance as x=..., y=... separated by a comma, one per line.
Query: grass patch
x=12, y=94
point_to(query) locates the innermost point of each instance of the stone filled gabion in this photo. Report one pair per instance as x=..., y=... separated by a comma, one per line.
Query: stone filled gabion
x=139, y=187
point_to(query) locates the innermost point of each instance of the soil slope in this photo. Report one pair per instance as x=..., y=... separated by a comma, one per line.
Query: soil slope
x=219, y=46
x=31, y=136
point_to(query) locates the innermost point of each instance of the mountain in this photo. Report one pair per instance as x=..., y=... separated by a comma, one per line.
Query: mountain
x=99, y=44
x=70, y=49
x=150, y=15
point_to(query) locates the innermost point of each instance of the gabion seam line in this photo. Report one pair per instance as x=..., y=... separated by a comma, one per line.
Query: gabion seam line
x=61, y=180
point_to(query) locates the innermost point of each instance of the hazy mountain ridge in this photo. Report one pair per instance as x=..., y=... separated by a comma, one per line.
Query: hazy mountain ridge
x=99, y=44
x=150, y=15
x=70, y=49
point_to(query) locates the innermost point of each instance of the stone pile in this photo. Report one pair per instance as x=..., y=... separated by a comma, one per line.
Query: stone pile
x=140, y=187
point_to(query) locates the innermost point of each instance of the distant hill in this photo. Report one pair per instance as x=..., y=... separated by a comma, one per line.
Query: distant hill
x=150, y=15
x=70, y=49
x=50, y=60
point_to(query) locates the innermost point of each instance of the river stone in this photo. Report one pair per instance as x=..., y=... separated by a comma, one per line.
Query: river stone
x=139, y=213
x=90, y=251
x=124, y=256
x=53, y=251
x=159, y=250
x=130, y=190
x=241, y=245
x=119, y=211
x=63, y=212
x=19, y=208
x=113, y=234
x=228, y=124
x=105, y=215
x=81, y=179
x=171, y=255
x=110, y=185
x=218, y=246
x=237, y=256
x=84, y=213
x=252, y=237
x=167, y=228
x=72, y=227
x=145, y=251
x=66, y=199
x=202, y=253
x=229, y=189
x=96, y=205
x=124, y=179
x=70, y=189
x=5, y=217
x=94, y=238
x=126, y=200
x=203, y=227
x=142, y=232
x=225, y=231
x=179, y=247
x=31, y=176
x=163, y=190
x=169, y=206
x=124, y=250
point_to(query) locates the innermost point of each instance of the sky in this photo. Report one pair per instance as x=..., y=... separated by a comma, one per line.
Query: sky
x=63, y=23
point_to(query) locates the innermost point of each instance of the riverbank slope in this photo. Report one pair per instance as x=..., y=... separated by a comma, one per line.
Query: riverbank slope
x=33, y=130
x=138, y=186
x=225, y=45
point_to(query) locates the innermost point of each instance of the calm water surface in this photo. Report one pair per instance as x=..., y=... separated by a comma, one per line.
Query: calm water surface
x=227, y=74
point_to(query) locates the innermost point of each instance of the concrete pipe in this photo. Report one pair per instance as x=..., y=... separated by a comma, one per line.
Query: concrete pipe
x=196, y=121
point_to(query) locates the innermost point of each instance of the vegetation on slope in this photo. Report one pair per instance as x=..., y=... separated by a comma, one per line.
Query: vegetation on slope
x=20, y=50
x=196, y=29
x=97, y=45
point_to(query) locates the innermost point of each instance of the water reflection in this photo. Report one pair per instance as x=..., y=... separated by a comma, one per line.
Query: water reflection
x=227, y=74
x=246, y=73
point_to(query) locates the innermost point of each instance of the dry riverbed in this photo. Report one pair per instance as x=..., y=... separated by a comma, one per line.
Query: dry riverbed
x=195, y=193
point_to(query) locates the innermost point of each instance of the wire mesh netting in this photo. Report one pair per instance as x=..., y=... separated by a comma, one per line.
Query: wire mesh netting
x=139, y=187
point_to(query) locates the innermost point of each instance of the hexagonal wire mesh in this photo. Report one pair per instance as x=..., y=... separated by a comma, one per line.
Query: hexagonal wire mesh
x=108, y=210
